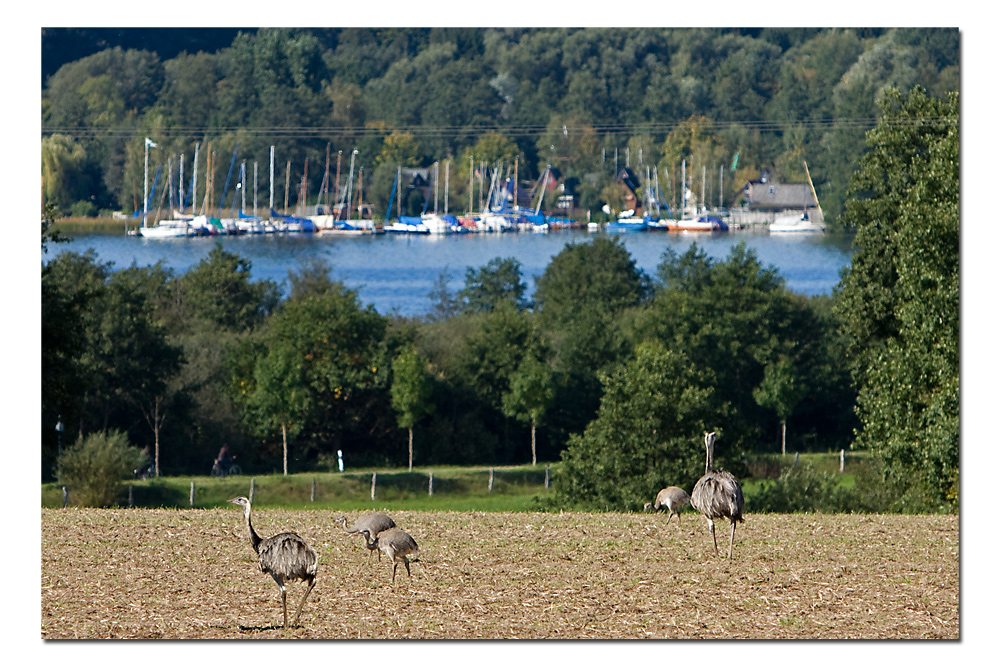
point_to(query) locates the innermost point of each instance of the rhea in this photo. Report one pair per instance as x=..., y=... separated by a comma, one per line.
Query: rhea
x=397, y=544
x=374, y=523
x=673, y=498
x=717, y=494
x=285, y=556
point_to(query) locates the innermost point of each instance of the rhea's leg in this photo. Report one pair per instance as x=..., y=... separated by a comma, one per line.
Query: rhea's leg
x=711, y=527
x=670, y=514
x=406, y=562
x=394, y=566
x=284, y=606
x=732, y=538
x=312, y=582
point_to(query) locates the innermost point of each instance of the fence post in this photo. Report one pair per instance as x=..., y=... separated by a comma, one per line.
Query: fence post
x=192, y=494
x=65, y=497
x=546, y=475
x=491, y=479
x=841, y=460
x=130, y=495
x=430, y=485
x=251, y=490
x=795, y=465
x=312, y=496
x=374, y=475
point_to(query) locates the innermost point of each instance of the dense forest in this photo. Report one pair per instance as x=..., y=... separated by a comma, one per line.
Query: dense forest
x=613, y=371
x=583, y=100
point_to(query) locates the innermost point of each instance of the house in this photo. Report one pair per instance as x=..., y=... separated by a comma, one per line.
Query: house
x=765, y=194
x=764, y=198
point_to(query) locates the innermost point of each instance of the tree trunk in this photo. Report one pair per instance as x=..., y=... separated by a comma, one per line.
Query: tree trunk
x=532, y=443
x=782, y=437
x=411, y=448
x=284, y=447
x=156, y=436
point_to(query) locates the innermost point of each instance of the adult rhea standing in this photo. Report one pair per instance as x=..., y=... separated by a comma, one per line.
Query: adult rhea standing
x=717, y=494
x=285, y=557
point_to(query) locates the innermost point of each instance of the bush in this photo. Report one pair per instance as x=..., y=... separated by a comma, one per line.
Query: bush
x=83, y=209
x=800, y=489
x=95, y=466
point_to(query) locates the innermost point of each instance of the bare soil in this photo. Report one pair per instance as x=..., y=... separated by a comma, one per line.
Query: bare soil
x=192, y=574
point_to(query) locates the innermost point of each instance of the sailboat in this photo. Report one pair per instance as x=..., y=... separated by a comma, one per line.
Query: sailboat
x=693, y=218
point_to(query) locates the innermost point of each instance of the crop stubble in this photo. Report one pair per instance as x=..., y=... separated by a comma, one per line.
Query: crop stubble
x=192, y=574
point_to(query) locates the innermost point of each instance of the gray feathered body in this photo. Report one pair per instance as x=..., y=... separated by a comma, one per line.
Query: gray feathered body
x=395, y=543
x=288, y=556
x=672, y=497
x=717, y=494
x=374, y=523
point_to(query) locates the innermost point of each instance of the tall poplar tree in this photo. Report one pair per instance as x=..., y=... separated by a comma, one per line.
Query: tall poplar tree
x=900, y=298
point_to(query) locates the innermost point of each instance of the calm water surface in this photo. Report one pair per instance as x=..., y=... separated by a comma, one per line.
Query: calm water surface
x=396, y=272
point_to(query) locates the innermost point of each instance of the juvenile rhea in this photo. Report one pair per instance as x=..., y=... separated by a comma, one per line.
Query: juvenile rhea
x=673, y=498
x=717, y=494
x=374, y=523
x=397, y=545
x=285, y=557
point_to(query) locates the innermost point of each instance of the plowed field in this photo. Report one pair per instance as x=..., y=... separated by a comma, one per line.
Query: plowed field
x=192, y=574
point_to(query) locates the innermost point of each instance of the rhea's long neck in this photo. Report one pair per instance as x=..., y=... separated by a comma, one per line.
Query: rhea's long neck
x=708, y=458
x=254, y=537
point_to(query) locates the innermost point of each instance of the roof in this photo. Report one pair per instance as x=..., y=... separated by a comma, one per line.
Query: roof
x=770, y=195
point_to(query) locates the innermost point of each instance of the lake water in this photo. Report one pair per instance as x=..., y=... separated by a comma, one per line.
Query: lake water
x=396, y=272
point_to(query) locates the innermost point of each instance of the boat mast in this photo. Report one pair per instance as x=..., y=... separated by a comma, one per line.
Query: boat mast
x=470, y=185
x=194, y=180
x=447, y=164
x=270, y=203
x=180, y=184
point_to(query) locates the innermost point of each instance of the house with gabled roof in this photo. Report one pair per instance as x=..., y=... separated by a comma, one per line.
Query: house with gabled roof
x=763, y=198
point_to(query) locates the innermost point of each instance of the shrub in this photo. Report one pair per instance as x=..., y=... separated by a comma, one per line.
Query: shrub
x=800, y=489
x=95, y=466
x=83, y=209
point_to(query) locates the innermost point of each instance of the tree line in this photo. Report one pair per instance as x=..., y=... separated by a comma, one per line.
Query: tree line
x=583, y=100
x=614, y=371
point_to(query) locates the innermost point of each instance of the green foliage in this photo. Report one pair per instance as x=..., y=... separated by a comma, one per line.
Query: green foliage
x=219, y=290
x=411, y=387
x=498, y=281
x=762, y=346
x=800, y=489
x=315, y=368
x=645, y=436
x=94, y=467
x=900, y=300
x=532, y=391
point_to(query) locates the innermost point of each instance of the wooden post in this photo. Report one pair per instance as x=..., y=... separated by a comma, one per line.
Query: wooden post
x=546, y=475
x=130, y=495
x=491, y=479
x=430, y=485
x=251, y=489
x=841, y=461
x=65, y=497
x=192, y=495
x=796, y=464
x=374, y=475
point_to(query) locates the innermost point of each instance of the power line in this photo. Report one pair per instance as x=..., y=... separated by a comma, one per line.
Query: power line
x=303, y=132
